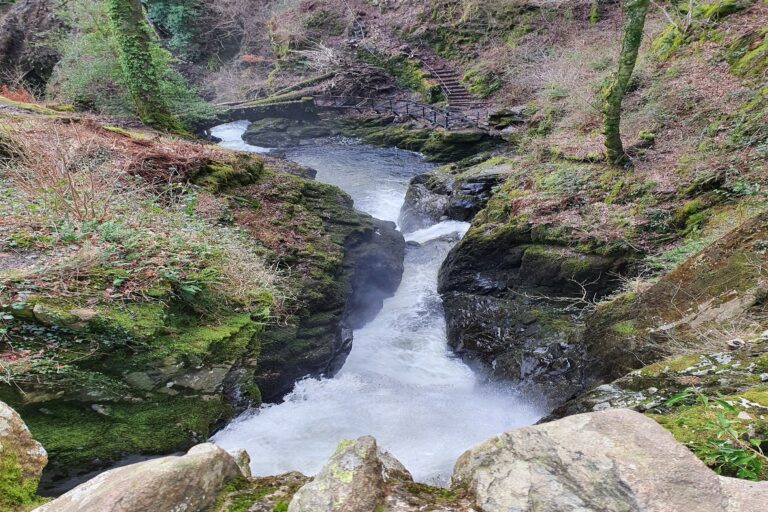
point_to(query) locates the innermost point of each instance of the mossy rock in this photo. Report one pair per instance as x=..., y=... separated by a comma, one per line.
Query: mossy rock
x=438, y=145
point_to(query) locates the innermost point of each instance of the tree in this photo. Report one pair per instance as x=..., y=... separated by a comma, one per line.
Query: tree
x=635, y=12
x=140, y=70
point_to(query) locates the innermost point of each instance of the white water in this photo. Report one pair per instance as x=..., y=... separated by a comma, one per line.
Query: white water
x=400, y=382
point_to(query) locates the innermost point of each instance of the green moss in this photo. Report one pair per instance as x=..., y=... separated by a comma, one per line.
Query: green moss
x=704, y=14
x=78, y=436
x=408, y=72
x=482, y=82
x=627, y=327
x=31, y=107
x=219, y=176
x=696, y=425
x=17, y=492
x=670, y=366
x=748, y=55
x=438, y=145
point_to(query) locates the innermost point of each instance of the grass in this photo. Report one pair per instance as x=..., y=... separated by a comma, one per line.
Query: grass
x=91, y=225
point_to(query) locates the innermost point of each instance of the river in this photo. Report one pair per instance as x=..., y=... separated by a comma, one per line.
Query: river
x=400, y=383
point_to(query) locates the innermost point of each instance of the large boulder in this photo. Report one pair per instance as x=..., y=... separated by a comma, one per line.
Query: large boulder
x=616, y=460
x=188, y=483
x=22, y=460
x=352, y=481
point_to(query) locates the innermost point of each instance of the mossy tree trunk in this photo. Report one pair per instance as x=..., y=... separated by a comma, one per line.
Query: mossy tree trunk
x=635, y=12
x=141, y=73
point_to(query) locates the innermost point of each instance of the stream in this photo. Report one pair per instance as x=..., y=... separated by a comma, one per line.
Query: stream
x=400, y=383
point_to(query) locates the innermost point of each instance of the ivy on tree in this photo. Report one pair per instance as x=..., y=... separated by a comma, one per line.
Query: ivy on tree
x=141, y=73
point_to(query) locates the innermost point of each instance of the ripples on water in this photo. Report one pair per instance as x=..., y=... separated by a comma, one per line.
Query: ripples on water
x=400, y=382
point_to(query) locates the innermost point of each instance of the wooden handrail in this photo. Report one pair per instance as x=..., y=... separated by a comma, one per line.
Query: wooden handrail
x=430, y=114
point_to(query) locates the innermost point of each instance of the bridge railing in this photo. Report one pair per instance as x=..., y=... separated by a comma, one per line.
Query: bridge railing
x=436, y=116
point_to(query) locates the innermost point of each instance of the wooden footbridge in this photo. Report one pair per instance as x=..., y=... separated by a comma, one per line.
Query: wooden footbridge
x=438, y=117
x=306, y=107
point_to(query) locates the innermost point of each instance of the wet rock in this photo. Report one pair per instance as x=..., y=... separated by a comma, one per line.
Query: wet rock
x=425, y=203
x=456, y=191
x=376, y=268
x=614, y=460
x=506, y=305
x=282, y=132
x=189, y=482
x=370, y=266
x=22, y=460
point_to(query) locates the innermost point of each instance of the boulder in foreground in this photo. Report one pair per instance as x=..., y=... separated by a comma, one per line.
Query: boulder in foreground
x=22, y=460
x=188, y=483
x=608, y=461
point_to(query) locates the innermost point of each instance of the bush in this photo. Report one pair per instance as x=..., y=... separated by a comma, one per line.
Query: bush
x=179, y=21
x=90, y=76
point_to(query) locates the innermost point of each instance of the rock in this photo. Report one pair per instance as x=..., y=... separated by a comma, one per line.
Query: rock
x=24, y=50
x=425, y=203
x=502, y=308
x=376, y=268
x=22, y=460
x=243, y=461
x=616, y=460
x=502, y=119
x=281, y=132
x=456, y=191
x=188, y=483
x=710, y=288
x=356, y=264
x=352, y=481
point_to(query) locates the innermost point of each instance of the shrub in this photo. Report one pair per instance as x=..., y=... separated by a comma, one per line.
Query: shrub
x=89, y=74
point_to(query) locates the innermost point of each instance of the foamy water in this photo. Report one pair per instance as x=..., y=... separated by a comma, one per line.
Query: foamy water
x=400, y=382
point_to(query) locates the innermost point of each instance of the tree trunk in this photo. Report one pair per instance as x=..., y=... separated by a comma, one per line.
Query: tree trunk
x=140, y=71
x=635, y=12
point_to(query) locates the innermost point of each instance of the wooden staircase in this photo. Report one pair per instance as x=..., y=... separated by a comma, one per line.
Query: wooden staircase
x=455, y=93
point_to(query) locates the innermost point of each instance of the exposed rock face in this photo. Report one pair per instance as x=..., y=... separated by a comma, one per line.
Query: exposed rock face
x=371, y=270
x=188, y=483
x=504, y=307
x=725, y=282
x=186, y=373
x=352, y=481
x=360, y=477
x=22, y=33
x=375, y=263
x=456, y=191
x=281, y=132
x=609, y=461
x=22, y=460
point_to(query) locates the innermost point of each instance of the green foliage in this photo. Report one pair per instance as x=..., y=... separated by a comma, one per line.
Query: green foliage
x=728, y=446
x=482, y=82
x=91, y=74
x=180, y=20
x=16, y=491
x=408, y=72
